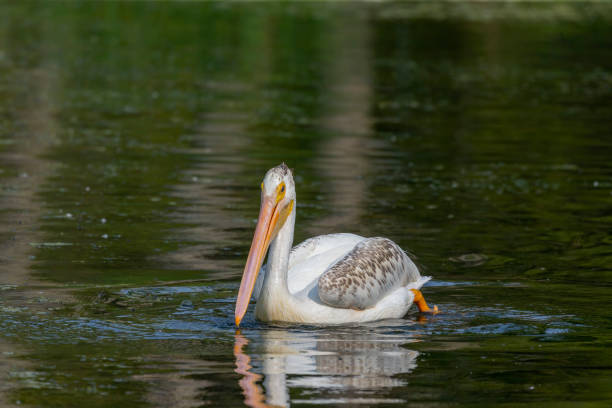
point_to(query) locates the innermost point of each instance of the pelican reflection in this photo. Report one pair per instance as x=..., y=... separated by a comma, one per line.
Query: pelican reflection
x=359, y=362
x=253, y=394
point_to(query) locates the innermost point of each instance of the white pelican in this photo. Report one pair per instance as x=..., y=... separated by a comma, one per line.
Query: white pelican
x=328, y=279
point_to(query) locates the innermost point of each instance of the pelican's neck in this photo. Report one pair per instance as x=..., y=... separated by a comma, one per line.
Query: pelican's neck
x=275, y=282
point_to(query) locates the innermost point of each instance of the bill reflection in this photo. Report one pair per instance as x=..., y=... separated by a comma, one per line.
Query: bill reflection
x=348, y=365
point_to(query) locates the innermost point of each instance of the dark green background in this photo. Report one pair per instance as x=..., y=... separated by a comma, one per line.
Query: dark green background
x=134, y=136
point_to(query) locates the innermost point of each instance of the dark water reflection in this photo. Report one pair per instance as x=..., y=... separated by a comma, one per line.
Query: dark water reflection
x=133, y=138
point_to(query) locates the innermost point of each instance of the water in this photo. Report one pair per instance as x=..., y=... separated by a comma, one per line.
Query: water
x=133, y=139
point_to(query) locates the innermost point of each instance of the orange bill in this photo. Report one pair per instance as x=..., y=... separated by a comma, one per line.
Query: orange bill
x=268, y=218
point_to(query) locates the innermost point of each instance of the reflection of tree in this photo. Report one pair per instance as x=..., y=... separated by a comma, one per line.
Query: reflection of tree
x=31, y=113
x=213, y=223
x=359, y=364
x=27, y=102
x=342, y=160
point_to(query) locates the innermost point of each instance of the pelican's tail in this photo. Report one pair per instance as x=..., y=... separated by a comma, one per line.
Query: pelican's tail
x=419, y=284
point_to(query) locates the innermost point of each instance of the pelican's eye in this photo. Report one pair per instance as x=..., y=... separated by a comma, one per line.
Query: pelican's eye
x=280, y=192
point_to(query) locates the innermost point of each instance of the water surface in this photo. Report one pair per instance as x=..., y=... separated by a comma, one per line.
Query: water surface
x=133, y=139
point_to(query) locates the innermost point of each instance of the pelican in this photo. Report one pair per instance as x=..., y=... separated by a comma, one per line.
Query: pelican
x=327, y=279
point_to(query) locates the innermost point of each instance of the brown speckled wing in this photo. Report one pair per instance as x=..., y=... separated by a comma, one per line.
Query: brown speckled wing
x=370, y=271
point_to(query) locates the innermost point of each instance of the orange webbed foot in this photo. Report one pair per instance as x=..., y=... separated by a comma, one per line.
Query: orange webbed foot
x=421, y=304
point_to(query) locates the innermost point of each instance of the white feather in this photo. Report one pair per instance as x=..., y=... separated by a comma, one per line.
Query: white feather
x=287, y=287
x=307, y=262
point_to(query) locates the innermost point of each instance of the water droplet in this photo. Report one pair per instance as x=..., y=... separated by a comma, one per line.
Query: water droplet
x=105, y=236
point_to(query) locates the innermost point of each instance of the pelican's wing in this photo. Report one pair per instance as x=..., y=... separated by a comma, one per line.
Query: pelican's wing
x=371, y=270
x=310, y=258
x=320, y=244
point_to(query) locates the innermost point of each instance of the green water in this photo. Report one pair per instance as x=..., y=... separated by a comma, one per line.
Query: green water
x=134, y=137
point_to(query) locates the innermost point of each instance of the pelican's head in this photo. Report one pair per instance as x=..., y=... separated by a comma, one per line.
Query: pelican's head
x=277, y=201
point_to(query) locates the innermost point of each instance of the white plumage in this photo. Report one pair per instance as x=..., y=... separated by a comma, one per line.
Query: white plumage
x=328, y=279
